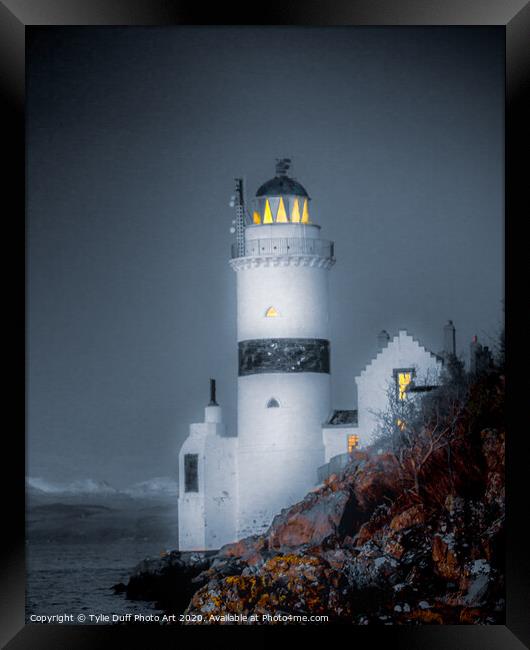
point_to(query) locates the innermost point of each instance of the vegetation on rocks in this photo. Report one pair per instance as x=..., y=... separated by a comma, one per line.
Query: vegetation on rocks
x=411, y=532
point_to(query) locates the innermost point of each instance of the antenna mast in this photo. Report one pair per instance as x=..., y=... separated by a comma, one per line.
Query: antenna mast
x=240, y=218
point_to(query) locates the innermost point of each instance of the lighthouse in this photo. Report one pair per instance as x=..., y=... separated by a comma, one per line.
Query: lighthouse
x=288, y=437
x=232, y=486
x=281, y=264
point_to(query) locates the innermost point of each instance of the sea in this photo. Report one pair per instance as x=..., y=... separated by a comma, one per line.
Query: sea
x=78, y=547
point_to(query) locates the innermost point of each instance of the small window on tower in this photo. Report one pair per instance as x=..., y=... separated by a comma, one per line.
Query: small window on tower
x=273, y=403
x=272, y=312
x=191, y=472
x=353, y=442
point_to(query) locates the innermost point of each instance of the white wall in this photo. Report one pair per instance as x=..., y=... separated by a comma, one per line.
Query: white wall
x=336, y=440
x=374, y=381
x=299, y=293
x=221, y=491
x=304, y=398
x=207, y=518
x=191, y=505
x=276, y=230
x=280, y=449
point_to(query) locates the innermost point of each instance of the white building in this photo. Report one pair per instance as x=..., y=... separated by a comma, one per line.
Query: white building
x=233, y=486
x=281, y=265
x=402, y=365
x=207, y=483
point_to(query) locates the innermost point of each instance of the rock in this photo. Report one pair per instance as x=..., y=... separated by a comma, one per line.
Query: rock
x=312, y=521
x=371, y=545
x=249, y=550
x=413, y=516
x=376, y=479
x=493, y=449
x=445, y=559
x=168, y=581
x=476, y=582
x=372, y=568
x=470, y=615
x=427, y=617
x=380, y=517
x=296, y=584
x=394, y=549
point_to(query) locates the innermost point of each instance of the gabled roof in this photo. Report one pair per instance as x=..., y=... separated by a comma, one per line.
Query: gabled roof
x=395, y=339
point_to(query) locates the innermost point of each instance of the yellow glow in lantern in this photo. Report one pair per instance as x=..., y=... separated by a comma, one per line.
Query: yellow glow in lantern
x=281, y=216
x=295, y=218
x=305, y=213
x=267, y=217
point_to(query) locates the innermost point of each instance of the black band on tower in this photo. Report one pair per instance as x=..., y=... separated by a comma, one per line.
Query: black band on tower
x=283, y=355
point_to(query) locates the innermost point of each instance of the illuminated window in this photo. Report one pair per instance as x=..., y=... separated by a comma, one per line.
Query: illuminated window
x=256, y=218
x=273, y=403
x=305, y=213
x=403, y=380
x=272, y=312
x=401, y=424
x=295, y=217
x=191, y=472
x=281, y=215
x=353, y=442
x=267, y=217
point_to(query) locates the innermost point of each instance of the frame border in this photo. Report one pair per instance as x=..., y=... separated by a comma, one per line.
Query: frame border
x=15, y=17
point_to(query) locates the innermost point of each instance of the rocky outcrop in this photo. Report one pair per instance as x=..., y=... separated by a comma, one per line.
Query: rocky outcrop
x=373, y=545
x=334, y=553
x=170, y=581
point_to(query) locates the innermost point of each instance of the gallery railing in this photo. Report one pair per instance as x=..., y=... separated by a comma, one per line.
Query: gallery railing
x=286, y=246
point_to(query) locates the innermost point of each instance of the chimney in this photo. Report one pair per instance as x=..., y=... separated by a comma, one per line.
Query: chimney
x=474, y=352
x=382, y=339
x=213, y=401
x=449, y=339
x=213, y=412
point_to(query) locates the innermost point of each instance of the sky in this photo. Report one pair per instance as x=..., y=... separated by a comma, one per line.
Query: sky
x=134, y=138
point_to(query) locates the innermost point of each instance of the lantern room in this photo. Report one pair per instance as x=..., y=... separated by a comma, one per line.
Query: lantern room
x=282, y=199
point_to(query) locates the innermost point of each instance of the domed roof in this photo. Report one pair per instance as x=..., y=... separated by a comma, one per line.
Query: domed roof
x=281, y=183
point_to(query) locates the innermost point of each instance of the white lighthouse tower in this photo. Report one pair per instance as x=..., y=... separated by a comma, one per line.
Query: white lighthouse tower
x=281, y=266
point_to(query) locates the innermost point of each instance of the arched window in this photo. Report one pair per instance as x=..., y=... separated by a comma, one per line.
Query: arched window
x=272, y=312
x=273, y=403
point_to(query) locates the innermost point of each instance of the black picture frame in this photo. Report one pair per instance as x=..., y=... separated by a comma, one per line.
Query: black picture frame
x=17, y=16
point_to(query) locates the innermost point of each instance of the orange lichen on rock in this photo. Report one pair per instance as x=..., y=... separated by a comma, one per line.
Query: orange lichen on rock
x=427, y=617
x=445, y=559
x=411, y=517
x=374, y=545
x=295, y=583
